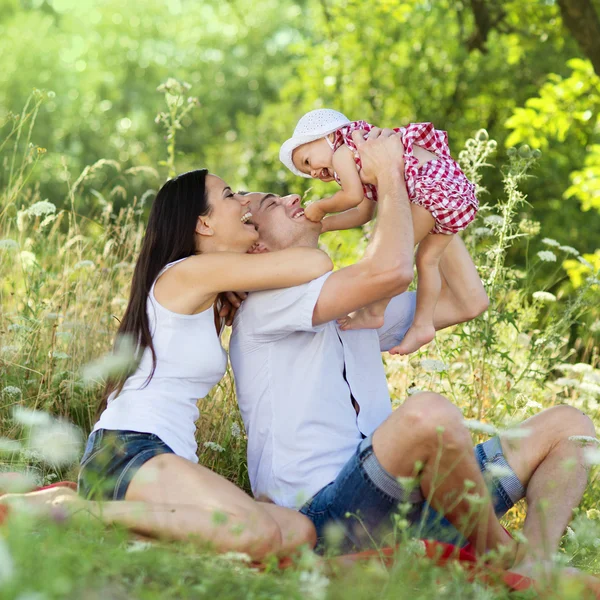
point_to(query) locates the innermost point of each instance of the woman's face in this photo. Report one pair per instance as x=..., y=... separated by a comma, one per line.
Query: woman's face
x=229, y=226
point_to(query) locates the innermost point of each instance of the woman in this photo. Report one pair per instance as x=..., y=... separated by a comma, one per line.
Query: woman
x=141, y=456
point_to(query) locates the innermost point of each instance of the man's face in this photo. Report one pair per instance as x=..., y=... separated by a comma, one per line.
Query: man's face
x=281, y=223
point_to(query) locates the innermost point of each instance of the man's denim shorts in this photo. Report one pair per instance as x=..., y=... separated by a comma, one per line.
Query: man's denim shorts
x=363, y=501
x=112, y=458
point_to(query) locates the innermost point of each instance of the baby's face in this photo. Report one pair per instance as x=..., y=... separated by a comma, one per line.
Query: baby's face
x=315, y=159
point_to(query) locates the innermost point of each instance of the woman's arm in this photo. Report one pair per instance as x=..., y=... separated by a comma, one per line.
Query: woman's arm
x=192, y=285
x=354, y=217
x=349, y=196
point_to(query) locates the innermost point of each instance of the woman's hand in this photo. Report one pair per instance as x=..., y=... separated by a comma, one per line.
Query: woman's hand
x=230, y=302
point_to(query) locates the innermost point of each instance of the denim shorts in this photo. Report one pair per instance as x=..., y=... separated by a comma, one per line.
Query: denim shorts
x=363, y=501
x=112, y=458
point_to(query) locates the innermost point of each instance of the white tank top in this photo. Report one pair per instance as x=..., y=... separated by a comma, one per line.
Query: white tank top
x=190, y=361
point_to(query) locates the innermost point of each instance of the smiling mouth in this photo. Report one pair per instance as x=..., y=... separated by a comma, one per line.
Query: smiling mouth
x=325, y=174
x=247, y=219
x=299, y=214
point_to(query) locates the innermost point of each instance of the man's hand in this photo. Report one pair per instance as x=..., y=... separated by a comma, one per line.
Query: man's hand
x=230, y=302
x=380, y=153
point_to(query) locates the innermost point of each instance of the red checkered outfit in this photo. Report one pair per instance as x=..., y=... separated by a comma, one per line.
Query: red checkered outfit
x=439, y=186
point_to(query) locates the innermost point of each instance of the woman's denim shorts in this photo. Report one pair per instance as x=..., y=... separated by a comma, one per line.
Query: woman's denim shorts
x=112, y=458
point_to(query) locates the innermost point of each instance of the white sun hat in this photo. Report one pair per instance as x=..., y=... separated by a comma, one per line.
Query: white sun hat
x=312, y=126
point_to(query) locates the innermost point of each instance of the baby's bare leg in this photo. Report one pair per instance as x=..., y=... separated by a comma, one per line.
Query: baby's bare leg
x=422, y=330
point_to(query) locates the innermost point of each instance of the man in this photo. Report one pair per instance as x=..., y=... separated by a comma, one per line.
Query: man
x=314, y=399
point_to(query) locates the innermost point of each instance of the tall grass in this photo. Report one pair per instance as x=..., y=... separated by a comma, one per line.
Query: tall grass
x=64, y=281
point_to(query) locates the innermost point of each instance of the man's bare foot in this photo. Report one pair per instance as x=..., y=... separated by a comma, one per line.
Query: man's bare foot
x=415, y=337
x=362, y=319
x=38, y=503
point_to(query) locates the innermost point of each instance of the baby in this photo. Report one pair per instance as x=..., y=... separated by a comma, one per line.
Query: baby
x=442, y=200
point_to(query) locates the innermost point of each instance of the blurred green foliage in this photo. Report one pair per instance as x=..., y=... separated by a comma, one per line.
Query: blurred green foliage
x=509, y=66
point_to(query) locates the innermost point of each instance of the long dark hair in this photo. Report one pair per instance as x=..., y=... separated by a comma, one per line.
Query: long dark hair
x=169, y=237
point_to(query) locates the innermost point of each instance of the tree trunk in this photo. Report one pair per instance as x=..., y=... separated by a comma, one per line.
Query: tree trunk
x=581, y=19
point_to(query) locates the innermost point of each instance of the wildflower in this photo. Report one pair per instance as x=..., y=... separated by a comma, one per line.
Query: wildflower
x=530, y=227
x=591, y=456
x=9, y=349
x=593, y=513
x=313, y=585
x=413, y=390
x=498, y=471
x=85, y=264
x=544, y=297
x=582, y=368
x=479, y=427
x=28, y=259
x=590, y=388
x=8, y=245
x=533, y=404
x=236, y=557
x=235, y=430
x=546, y=256
x=595, y=327
x=494, y=220
x=433, y=366
x=551, y=242
x=120, y=362
x=41, y=208
x=569, y=250
x=31, y=418
x=7, y=565
x=567, y=382
x=9, y=446
x=482, y=231
x=139, y=546
x=584, y=439
x=58, y=443
x=11, y=392
x=214, y=446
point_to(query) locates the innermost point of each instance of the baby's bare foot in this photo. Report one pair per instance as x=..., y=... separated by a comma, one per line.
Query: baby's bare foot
x=415, y=337
x=361, y=319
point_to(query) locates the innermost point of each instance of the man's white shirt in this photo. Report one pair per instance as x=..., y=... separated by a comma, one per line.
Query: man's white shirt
x=295, y=385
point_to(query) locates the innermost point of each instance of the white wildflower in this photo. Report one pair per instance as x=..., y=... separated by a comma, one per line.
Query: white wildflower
x=494, y=220
x=595, y=327
x=9, y=245
x=544, y=297
x=546, y=256
x=28, y=259
x=593, y=513
x=11, y=392
x=214, y=446
x=590, y=388
x=123, y=266
x=516, y=433
x=498, y=471
x=236, y=557
x=567, y=382
x=41, y=208
x=7, y=565
x=411, y=391
x=31, y=418
x=51, y=316
x=551, y=242
x=115, y=364
x=533, y=404
x=479, y=427
x=139, y=546
x=59, y=443
x=433, y=366
x=9, y=349
x=85, y=264
x=236, y=432
x=118, y=302
x=582, y=368
x=9, y=446
x=591, y=456
x=584, y=439
x=482, y=231
x=569, y=250
x=313, y=585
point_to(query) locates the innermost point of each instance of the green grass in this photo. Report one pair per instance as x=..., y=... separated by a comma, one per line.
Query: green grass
x=64, y=281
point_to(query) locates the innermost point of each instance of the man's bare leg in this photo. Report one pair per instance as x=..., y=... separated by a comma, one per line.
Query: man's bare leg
x=552, y=469
x=428, y=430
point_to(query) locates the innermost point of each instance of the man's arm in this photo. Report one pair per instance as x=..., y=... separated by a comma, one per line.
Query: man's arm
x=463, y=296
x=387, y=266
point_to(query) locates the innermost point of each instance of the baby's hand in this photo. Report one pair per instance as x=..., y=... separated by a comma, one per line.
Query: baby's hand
x=314, y=212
